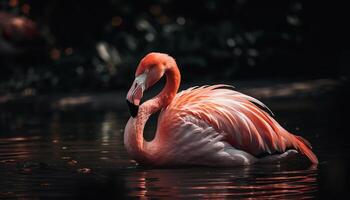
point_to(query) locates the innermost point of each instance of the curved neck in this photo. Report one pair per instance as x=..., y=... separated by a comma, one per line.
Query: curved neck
x=137, y=147
x=164, y=98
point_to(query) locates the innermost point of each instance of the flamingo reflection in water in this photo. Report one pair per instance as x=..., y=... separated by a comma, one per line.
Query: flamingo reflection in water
x=264, y=181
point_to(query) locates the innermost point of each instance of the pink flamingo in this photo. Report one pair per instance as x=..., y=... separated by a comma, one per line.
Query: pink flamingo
x=208, y=125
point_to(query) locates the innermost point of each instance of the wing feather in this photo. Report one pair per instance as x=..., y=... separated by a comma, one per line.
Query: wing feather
x=195, y=142
x=246, y=126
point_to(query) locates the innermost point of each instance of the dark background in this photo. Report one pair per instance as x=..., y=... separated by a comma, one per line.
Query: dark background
x=211, y=40
x=60, y=47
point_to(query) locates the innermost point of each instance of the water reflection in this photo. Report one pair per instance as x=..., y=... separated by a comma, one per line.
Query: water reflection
x=16, y=148
x=68, y=146
x=257, y=181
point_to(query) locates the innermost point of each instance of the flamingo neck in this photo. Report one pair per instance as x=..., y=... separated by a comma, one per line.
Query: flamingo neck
x=137, y=147
x=164, y=98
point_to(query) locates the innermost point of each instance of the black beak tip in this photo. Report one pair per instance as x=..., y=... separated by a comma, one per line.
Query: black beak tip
x=133, y=109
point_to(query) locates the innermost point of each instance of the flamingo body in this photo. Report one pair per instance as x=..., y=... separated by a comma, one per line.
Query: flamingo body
x=209, y=125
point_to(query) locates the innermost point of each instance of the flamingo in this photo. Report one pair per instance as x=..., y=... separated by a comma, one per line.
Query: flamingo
x=205, y=126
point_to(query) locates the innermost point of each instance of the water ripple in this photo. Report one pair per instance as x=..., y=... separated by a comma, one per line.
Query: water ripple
x=51, y=166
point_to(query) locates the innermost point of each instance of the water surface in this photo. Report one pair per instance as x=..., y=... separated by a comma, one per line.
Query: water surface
x=79, y=153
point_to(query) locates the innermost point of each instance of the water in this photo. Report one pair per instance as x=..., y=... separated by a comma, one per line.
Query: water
x=79, y=154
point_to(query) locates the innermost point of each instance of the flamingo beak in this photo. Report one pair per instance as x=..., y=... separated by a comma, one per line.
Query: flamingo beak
x=134, y=96
x=133, y=109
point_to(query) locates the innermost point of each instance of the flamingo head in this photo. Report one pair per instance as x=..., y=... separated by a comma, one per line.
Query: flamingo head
x=149, y=71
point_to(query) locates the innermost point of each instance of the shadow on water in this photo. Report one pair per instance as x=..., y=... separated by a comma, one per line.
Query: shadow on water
x=79, y=154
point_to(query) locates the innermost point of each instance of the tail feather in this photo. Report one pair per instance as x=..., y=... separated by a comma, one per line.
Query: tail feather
x=305, y=148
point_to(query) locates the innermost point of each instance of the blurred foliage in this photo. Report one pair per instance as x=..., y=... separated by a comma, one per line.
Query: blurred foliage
x=96, y=45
